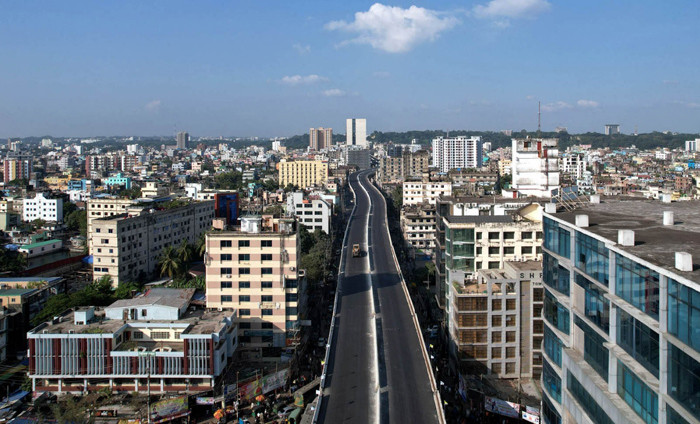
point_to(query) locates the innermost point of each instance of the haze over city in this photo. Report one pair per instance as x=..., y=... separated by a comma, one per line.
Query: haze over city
x=85, y=68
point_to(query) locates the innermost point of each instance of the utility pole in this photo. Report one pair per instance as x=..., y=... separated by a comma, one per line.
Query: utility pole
x=148, y=399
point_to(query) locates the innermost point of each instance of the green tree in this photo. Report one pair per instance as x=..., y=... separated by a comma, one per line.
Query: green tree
x=397, y=197
x=68, y=208
x=200, y=246
x=229, y=181
x=77, y=221
x=124, y=290
x=38, y=223
x=169, y=262
x=275, y=210
x=185, y=252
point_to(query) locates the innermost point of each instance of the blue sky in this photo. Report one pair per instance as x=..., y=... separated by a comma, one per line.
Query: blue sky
x=276, y=68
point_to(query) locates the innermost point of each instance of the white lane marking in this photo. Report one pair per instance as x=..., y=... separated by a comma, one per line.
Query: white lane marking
x=374, y=412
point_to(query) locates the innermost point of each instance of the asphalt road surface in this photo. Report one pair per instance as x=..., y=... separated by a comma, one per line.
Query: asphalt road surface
x=375, y=372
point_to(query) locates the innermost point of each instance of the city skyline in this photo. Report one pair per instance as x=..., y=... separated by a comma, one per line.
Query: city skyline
x=86, y=69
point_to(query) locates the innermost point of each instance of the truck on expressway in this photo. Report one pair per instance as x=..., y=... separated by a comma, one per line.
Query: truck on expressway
x=355, y=250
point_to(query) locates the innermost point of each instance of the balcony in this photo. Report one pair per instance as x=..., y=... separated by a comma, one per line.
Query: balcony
x=470, y=288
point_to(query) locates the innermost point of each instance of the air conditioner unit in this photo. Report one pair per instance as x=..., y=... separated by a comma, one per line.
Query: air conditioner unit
x=71, y=331
x=220, y=308
x=292, y=268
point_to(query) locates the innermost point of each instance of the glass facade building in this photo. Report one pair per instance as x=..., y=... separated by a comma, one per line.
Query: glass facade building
x=622, y=343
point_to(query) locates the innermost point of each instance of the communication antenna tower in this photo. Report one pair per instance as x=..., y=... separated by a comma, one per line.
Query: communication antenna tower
x=539, y=118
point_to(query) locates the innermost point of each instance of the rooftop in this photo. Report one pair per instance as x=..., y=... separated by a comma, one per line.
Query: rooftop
x=39, y=244
x=15, y=292
x=654, y=242
x=478, y=219
x=176, y=298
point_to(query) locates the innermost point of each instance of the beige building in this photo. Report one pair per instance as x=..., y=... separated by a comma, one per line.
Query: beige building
x=154, y=189
x=320, y=138
x=495, y=320
x=127, y=246
x=418, y=226
x=102, y=207
x=303, y=173
x=254, y=269
x=396, y=169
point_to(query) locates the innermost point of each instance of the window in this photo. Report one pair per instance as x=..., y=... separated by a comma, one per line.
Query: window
x=638, y=396
x=552, y=346
x=684, y=379
x=496, y=304
x=592, y=257
x=496, y=353
x=244, y=298
x=266, y=284
x=510, y=320
x=226, y=256
x=510, y=367
x=244, y=325
x=494, y=250
x=266, y=325
x=137, y=335
x=244, y=284
x=266, y=257
x=226, y=285
x=586, y=401
x=557, y=239
x=243, y=256
x=555, y=275
x=510, y=338
x=144, y=312
x=243, y=243
x=594, y=350
x=266, y=243
x=510, y=304
x=226, y=298
x=640, y=341
x=496, y=321
x=267, y=311
x=526, y=235
x=226, y=271
x=638, y=285
x=496, y=336
x=509, y=250
x=549, y=414
x=597, y=307
x=244, y=312
x=551, y=381
x=160, y=335
x=684, y=313
x=673, y=417
x=243, y=271
x=265, y=271
x=266, y=298
x=225, y=243
x=555, y=313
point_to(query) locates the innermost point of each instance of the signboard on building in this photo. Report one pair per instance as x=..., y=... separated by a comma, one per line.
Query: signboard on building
x=531, y=415
x=169, y=409
x=263, y=385
x=502, y=407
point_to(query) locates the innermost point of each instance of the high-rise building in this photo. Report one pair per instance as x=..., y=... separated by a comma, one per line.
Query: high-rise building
x=320, y=138
x=303, y=173
x=42, y=207
x=692, y=145
x=408, y=164
x=358, y=157
x=457, y=152
x=612, y=129
x=254, y=269
x=127, y=246
x=535, y=163
x=621, y=310
x=356, y=132
x=312, y=212
x=183, y=139
x=17, y=167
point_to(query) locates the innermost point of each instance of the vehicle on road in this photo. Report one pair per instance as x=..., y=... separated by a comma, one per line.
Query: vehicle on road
x=356, y=250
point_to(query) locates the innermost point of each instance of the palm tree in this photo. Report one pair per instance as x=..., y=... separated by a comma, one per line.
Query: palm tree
x=169, y=262
x=200, y=245
x=185, y=252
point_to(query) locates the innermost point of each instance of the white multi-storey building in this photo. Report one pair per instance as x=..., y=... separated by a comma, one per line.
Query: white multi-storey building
x=41, y=207
x=692, y=145
x=573, y=165
x=535, y=163
x=313, y=213
x=457, y=152
x=356, y=132
x=416, y=192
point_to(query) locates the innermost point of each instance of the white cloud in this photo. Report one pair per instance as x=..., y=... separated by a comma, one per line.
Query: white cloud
x=501, y=11
x=333, y=92
x=153, y=105
x=299, y=79
x=690, y=105
x=381, y=74
x=394, y=29
x=587, y=103
x=302, y=49
x=553, y=107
